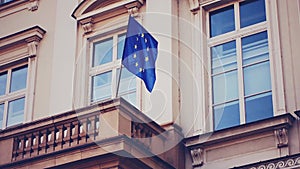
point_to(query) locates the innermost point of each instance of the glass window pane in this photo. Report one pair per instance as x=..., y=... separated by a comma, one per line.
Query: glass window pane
x=127, y=82
x=121, y=41
x=1, y=114
x=101, y=88
x=247, y=14
x=131, y=98
x=15, y=111
x=18, y=79
x=103, y=52
x=257, y=78
x=225, y=87
x=223, y=57
x=226, y=115
x=259, y=107
x=255, y=48
x=221, y=21
x=3, y=79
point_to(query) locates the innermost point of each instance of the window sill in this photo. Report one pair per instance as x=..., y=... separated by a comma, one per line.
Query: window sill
x=237, y=132
x=16, y=6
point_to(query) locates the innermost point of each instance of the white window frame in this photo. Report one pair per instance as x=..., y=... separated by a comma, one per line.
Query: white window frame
x=20, y=49
x=11, y=96
x=111, y=66
x=271, y=26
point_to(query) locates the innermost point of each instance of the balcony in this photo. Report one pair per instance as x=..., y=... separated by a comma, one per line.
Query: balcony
x=108, y=134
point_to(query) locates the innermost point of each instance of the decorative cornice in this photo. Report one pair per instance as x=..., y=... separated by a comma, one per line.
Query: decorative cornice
x=33, y=5
x=81, y=13
x=87, y=25
x=194, y=6
x=282, y=137
x=197, y=157
x=35, y=33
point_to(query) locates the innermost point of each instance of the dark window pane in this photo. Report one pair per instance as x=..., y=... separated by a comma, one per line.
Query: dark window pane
x=226, y=115
x=257, y=78
x=259, y=107
x=15, y=111
x=3, y=80
x=1, y=114
x=225, y=87
x=255, y=48
x=103, y=52
x=101, y=88
x=223, y=57
x=252, y=12
x=121, y=41
x=18, y=79
x=221, y=21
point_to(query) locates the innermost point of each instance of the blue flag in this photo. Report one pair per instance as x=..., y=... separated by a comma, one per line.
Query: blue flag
x=140, y=53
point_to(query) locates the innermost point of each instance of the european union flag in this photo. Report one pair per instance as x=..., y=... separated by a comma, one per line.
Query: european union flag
x=140, y=53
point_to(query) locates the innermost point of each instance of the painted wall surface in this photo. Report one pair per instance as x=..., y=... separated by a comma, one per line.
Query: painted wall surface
x=53, y=93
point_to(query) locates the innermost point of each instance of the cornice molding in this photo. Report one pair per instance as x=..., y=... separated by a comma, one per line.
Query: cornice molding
x=27, y=39
x=16, y=6
x=80, y=13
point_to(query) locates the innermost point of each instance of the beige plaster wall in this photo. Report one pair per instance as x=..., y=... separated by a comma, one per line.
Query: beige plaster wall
x=55, y=56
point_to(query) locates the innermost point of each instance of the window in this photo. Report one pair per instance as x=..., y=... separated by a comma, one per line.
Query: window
x=13, y=82
x=240, y=65
x=4, y=1
x=105, y=69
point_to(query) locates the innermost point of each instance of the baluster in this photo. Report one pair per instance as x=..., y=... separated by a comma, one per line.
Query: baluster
x=34, y=143
x=91, y=128
x=83, y=131
x=97, y=127
x=15, y=149
x=20, y=147
x=58, y=137
x=75, y=133
x=50, y=139
x=67, y=135
x=27, y=146
x=42, y=142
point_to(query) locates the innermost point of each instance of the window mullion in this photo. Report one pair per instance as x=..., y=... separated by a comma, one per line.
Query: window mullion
x=236, y=16
x=8, y=81
x=240, y=81
x=5, y=115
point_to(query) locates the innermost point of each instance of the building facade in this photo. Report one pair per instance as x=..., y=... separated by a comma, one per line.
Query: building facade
x=226, y=91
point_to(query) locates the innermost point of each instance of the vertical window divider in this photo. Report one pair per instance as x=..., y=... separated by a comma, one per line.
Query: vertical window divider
x=8, y=81
x=241, y=81
x=5, y=114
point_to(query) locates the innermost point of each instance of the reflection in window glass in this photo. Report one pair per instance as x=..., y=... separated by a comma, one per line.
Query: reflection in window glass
x=257, y=78
x=127, y=86
x=224, y=57
x=121, y=41
x=102, y=52
x=18, y=79
x=225, y=87
x=255, y=48
x=226, y=115
x=3, y=79
x=1, y=114
x=221, y=21
x=15, y=111
x=101, y=88
x=259, y=107
x=247, y=14
x=127, y=82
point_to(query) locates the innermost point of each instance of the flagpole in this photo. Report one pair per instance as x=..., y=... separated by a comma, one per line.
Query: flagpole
x=118, y=82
